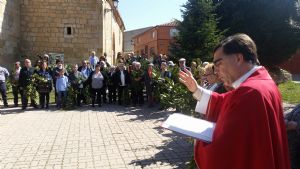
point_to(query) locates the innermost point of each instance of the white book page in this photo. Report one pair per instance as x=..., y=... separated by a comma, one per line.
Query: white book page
x=190, y=126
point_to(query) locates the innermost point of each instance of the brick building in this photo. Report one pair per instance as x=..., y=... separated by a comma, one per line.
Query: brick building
x=128, y=42
x=156, y=40
x=72, y=28
x=293, y=64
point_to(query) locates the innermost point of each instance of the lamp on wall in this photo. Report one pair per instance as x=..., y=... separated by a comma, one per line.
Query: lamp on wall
x=116, y=3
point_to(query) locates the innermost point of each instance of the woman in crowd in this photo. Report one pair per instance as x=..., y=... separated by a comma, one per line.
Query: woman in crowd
x=213, y=82
x=44, y=85
x=149, y=83
x=164, y=70
x=96, y=81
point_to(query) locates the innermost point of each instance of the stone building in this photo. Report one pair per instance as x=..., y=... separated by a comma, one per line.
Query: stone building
x=69, y=27
x=9, y=31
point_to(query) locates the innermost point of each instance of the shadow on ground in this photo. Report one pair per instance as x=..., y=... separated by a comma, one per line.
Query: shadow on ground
x=174, y=152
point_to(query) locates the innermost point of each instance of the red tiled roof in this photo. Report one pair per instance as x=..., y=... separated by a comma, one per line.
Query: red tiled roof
x=172, y=23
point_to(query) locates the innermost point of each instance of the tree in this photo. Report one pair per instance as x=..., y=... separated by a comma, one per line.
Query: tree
x=273, y=24
x=198, y=33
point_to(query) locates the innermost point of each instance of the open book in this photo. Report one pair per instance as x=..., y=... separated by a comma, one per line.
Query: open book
x=190, y=126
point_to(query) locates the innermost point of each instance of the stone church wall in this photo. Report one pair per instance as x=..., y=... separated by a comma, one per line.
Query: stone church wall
x=71, y=27
x=9, y=32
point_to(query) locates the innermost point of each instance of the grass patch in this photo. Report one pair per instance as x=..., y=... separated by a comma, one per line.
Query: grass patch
x=10, y=97
x=290, y=92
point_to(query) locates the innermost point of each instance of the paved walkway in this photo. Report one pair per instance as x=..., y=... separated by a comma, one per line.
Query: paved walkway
x=107, y=137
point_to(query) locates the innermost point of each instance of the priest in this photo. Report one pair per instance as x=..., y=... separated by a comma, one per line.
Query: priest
x=250, y=132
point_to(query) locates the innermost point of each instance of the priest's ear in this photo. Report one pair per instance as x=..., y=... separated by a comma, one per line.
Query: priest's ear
x=239, y=58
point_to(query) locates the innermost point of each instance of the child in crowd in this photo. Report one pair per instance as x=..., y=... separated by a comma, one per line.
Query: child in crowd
x=61, y=89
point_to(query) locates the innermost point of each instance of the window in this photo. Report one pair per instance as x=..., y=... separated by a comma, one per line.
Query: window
x=69, y=31
x=153, y=34
x=173, y=32
x=146, y=50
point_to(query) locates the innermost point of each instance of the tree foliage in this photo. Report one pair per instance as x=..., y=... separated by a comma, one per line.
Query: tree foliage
x=271, y=23
x=174, y=94
x=198, y=33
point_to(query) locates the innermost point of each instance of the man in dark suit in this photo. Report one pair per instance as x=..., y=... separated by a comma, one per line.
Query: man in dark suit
x=112, y=84
x=137, y=84
x=24, y=81
x=123, y=80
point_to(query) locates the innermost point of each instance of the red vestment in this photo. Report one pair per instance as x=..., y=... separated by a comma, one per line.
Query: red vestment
x=250, y=132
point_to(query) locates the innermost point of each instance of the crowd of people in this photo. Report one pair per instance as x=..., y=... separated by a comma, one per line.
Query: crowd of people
x=234, y=91
x=94, y=79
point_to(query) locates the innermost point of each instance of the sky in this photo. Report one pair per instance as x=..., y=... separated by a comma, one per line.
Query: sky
x=143, y=13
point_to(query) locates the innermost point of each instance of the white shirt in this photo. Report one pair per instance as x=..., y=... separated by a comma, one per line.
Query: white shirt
x=17, y=73
x=212, y=87
x=122, y=78
x=238, y=82
x=3, y=74
x=84, y=72
x=203, y=95
x=93, y=61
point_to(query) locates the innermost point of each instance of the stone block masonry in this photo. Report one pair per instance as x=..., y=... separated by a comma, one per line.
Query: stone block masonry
x=60, y=26
x=9, y=31
x=71, y=27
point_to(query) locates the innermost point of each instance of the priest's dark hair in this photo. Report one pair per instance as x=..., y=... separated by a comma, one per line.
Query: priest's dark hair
x=240, y=43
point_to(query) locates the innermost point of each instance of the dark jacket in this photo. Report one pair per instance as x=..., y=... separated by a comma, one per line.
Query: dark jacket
x=44, y=86
x=77, y=79
x=137, y=74
x=112, y=79
x=147, y=79
x=220, y=88
x=104, y=72
x=25, y=76
x=294, y=136
x=127, y=78
x=89, y=70
x=55, y=74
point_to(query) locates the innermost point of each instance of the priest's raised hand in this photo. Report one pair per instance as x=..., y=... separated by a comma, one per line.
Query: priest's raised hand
x=186, y=78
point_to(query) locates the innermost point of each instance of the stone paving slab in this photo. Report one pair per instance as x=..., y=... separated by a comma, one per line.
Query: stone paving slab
x=106, y=137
